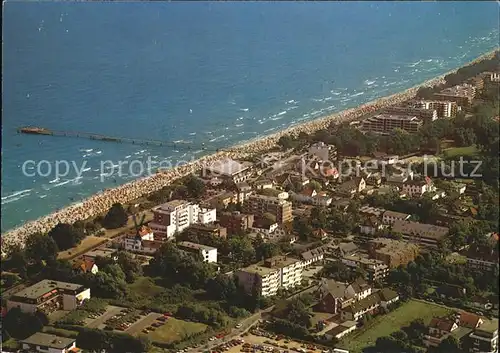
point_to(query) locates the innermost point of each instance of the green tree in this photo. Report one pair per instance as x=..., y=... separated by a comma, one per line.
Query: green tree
x=41, y=248
x=116, y=217
x=195, y=186
x=21, y=325
x=66, y=236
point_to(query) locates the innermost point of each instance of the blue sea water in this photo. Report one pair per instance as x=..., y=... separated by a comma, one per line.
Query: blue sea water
x=216, y=73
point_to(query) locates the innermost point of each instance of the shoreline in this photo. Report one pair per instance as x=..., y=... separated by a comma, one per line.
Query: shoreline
x=99, y=203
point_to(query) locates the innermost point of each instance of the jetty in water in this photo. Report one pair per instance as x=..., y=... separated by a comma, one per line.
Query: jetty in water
x=33, y=130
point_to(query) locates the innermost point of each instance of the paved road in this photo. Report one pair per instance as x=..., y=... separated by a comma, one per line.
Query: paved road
x=246, y=324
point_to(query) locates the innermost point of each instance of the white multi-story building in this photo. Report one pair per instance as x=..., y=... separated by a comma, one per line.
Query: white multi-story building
x=418, y=187
x=48, y=296
x=268, y=277
x=175, y=216
x=208, y=253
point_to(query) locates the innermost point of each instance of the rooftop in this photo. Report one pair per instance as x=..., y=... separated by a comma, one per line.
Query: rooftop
x=393, y=117
x=395, y=214
x=458, y=91
x=228, y=167
x=100, y=252
x=392, y=246
x=172, y=204
x=195, y=246
x=43, y=287
x=48, y=340
x=420, y=229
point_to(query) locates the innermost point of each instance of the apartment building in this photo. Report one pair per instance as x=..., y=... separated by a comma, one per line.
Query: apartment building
x=386, y=123
x=175, y=216
x=143, y=242
x=48, y=296
x=369, y=304
x=258, y=205
x=463, y=95
x=443, y=108
x=334, y=296
x=484, y=259
x=268, y=276
x=208, y=253
x=483, y=339
x=426, y=114
x=418, y=187
x=236, y=222
x=420, y=233
x=208, y=230
x=229, y=169
x=388, y=217
x=392, y=252
x=375, y=269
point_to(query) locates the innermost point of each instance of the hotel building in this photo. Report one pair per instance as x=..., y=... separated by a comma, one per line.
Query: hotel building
x=461, y=94
x=443, y=108
x=48, y=296
x=270, y=275
x=208, y=253
x=258, y=205
x=386, y=123
x=175, y=216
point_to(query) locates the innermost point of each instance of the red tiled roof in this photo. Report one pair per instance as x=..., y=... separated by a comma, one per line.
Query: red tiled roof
x=469, y=320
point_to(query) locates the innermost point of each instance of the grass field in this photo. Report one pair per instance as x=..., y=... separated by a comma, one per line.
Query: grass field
x=452, y=152
x=144, y=286
x=86, y=243
x=384, y=325
x=175, y=330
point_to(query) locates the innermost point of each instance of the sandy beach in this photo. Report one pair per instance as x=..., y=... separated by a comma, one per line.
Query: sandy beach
x=101, y=202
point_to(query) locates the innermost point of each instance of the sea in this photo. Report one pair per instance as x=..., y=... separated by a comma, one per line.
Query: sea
x=204, y=75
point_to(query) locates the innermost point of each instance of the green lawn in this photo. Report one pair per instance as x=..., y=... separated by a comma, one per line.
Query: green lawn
x=384, y=325
x=145, y=287
x=452, y=152
x=175, y=330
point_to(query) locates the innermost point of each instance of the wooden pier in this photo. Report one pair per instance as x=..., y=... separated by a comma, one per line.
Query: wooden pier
x=91, y=136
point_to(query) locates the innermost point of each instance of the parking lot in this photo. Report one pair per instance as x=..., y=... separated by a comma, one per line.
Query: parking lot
x=99, y=322
x=142, y=323
x=254, y=343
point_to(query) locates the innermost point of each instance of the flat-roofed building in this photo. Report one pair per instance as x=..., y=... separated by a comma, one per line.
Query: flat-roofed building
x=420, y=233
x=208, y=230
x=463, y=95
x=375, y=269
x=444, y=109
x=175, y=216
x=107, y=253
x=386, y=123
x=229, y=169
x=392, y=252
x=208, y=253
x=270, y=275
x=236, y=222
x=388, y=217
x=423, y=113
x=48, y=343
x=258, y=205
x=322, y=151
x=48, y=296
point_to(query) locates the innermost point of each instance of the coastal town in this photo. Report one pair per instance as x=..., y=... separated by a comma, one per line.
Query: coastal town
x=373, y=230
